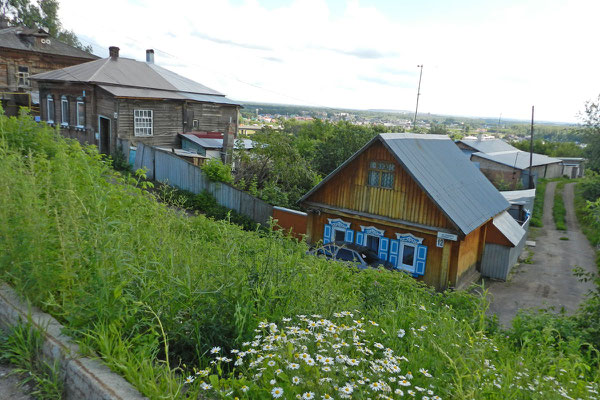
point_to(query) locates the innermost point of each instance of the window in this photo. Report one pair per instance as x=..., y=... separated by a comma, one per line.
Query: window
x=408, y=256
x=340, y=235
x=142, y=122
x=64, y=111
x=50, y=109
x=373, y=242
x=195, y=124
x=23, y=76
x=80, y=113
x=381, y=174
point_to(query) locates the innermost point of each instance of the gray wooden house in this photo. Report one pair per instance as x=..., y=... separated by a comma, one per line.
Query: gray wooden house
x=120, y=100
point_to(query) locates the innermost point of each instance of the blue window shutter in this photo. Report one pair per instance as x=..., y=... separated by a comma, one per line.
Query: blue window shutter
x=421, y=260
x=360, y=237
x=383, y=248
x=349, y=236
x=327, y=234
x=394, y=250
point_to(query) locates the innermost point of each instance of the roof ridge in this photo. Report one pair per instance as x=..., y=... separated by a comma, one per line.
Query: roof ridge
x=91, y=78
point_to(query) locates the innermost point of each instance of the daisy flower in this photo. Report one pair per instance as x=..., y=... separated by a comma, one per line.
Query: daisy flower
x=277, y=392
x=215, y=350
x=308, y=396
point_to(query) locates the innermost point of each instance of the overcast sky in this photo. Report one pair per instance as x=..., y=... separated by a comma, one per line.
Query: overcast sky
x=481, y=58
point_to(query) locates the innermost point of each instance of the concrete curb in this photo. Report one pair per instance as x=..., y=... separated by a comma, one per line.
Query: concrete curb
x=84, y=378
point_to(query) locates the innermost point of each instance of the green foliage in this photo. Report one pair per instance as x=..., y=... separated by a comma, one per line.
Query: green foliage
x=217, y=171
x=438, y=129
x=590, y=186
x=538, y=204
x=42, y=14
x=552, y=149
x=559, y=211
x=591, y=117
x=149, y=289
x=22, y=348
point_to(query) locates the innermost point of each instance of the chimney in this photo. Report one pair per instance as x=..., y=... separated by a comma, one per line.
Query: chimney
x=114, y=52
x=150, y=56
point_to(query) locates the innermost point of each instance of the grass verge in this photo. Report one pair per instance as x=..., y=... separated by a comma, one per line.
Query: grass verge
x=559, y=211
x=538, y=204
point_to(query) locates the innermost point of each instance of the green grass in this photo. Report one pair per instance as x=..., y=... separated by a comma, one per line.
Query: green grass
x=150, y=290
x=558, y=209
x=22, y=348
x=538, y=204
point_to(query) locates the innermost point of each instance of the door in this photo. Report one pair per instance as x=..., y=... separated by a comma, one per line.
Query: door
x=104, y=127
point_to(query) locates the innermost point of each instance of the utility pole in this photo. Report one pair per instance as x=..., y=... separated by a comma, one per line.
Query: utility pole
x=418, y=94
x=531, y=153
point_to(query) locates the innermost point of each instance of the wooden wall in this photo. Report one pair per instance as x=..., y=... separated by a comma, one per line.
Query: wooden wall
x=406, y=201
x=167, y=121
x=470, y=252
x=434, y=275
x=211, y=117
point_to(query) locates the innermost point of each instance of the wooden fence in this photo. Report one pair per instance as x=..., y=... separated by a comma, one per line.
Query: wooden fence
x=166, y=167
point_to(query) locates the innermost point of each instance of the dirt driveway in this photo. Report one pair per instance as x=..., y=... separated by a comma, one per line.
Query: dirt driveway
x=549, y=280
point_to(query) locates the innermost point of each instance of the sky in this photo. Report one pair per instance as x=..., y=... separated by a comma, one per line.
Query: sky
x=481, y=58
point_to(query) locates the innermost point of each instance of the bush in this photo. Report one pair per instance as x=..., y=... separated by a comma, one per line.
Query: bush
x=217, y=171
x=590, y=186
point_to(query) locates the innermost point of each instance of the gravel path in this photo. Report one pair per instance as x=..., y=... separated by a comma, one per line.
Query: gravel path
x=9, y=388
x=549, y=281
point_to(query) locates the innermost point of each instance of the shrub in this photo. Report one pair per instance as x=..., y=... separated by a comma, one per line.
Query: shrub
x=217, y=171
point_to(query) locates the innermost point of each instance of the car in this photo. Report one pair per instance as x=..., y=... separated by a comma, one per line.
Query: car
x=361, y=256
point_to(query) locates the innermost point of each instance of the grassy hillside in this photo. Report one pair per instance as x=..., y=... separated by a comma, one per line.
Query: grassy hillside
x=151, y=291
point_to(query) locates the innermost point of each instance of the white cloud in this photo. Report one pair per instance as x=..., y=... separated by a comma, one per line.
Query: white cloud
x=501, y=60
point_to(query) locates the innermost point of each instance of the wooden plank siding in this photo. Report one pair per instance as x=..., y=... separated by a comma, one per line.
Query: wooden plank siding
x=210, y=117
x=167, y=121
x=406, y=201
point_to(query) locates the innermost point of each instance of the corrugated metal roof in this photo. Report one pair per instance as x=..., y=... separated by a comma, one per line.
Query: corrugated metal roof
x=489, y=145
x=510, y=228
x=131, y=73
x=450, y=180
x=24, y=39
x=208, y=143
x=519, y=195
x=517, y=159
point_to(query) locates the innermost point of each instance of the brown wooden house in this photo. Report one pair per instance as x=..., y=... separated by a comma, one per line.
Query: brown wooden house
x=25, y=52
x=122, y=100
x=415, y=199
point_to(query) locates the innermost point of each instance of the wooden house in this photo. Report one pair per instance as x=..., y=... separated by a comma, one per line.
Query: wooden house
x=415, y=199
x=118, y=99
x=505, y=165
x=25, y=52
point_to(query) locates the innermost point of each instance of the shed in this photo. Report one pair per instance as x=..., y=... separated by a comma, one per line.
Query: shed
x=503, y=245
x=209, y=147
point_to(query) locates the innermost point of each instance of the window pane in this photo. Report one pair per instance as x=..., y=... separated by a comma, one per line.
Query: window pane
x=64, y=112
x=373, y=242
x=408, y=255
x=80, y=113
x=387, y=179
x=339, y=235
x=374, y=178
x=372, y=164
x=50, y=110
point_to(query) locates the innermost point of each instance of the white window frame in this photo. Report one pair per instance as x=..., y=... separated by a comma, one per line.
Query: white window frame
x=23, y=76
x=50, y=106
x=79, y=115
x=145, y=120
x=406, y=267
x=64, y=106
x=195, y=124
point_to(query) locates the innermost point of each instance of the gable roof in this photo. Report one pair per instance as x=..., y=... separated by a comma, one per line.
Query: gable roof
x=510, y=228
x=499, y=151
x=441, y=170
x=125, y=77
x=23, y=39
x=517, y=159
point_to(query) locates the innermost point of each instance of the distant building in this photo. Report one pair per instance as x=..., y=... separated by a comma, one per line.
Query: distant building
x=25, y=52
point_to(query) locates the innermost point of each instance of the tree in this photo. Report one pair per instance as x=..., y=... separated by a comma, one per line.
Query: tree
x=591, y=118
x=40, y=14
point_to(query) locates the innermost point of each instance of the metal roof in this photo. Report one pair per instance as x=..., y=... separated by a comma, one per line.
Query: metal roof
x=519, y=195
x=488, y=145
x=450, y=180
x=510, y=228
x=24, y=39
x=125, y=77
x=517, y=159
x=208, y=143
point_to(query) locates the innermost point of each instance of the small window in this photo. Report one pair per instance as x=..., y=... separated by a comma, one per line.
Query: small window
x=64, y=111
x=340, y=235
x=408, y=256
x=50, y=109
x=373, y=242
x=80, y=113
x=23, y=76
x=142, y=122
x=195, y=124
x=381, y=174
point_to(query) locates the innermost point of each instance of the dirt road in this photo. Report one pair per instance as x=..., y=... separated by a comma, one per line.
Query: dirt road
x=549, y=281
